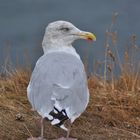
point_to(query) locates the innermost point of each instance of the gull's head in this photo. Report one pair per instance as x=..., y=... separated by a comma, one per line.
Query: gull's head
x=64, y=33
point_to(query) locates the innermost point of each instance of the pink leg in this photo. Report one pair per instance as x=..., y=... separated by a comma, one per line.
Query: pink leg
x=68, y=134
x=42, y=131
x=42, y=127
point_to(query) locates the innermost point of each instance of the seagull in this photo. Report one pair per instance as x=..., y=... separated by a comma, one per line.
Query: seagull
x=58, y=88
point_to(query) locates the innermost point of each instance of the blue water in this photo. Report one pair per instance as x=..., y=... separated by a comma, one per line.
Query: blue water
x=22, y=25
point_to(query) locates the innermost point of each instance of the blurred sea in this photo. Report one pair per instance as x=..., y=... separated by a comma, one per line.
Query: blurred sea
x=22, y=25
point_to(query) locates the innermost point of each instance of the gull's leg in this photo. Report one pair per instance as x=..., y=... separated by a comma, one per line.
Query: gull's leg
x=68, y=132
x=42, y=132
x=42, y=128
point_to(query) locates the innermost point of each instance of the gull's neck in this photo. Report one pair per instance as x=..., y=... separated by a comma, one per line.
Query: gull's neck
x=57, y=47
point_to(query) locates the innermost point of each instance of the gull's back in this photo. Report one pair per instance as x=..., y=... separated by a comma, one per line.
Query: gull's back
x=59, y=81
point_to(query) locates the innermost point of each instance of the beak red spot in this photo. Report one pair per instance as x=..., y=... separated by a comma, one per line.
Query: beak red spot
x=89, y=39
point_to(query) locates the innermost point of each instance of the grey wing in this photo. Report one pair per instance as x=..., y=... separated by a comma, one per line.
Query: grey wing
x=59, y=80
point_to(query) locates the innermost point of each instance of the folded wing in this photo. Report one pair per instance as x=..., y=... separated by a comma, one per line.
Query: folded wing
x=58, y=82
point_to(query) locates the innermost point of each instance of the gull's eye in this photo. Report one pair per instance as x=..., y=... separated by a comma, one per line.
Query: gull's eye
x=65, y=29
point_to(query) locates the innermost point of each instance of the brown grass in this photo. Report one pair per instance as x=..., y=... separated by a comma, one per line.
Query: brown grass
x=111, y=114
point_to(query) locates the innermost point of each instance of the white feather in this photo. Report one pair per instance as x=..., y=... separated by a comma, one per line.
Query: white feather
x=63, y=127
x=55, y=121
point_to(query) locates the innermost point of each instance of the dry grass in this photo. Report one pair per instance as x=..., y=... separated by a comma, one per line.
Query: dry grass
x=111, y=114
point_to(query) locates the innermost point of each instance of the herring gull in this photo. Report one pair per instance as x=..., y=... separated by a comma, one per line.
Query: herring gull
x=58, y=87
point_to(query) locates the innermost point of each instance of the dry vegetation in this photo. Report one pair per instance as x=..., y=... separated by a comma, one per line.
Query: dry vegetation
x=112, y=114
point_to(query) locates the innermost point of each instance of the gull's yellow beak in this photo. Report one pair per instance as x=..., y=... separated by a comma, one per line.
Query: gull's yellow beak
x=88, y=36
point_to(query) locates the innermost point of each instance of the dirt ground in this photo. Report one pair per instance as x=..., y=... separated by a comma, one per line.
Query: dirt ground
x=111, y=115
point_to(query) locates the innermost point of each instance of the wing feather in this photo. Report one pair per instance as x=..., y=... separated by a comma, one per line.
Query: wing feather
x=58, y=78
